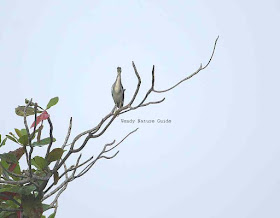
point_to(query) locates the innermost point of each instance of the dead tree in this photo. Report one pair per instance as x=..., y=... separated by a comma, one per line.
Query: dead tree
x=36, y=186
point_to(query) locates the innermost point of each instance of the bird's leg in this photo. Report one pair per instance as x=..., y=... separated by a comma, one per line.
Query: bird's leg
x=115, y=110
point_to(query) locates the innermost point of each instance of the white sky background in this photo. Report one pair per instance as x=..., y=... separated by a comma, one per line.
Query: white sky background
x=220, y=155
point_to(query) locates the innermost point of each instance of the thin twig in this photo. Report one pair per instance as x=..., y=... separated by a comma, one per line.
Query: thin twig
x=196, y=72
x=63, y=184
x=29, y=137
x=19, y=182
x=104, y=150
x=55, y=201
x=138, y=85
x=122, y=140
x=68, y=134
x=51, y=137
x=104, y=124
x=32, y=135
x=75, y=167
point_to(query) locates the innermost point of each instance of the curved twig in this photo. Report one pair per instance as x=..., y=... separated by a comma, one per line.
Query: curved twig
x=196, y=72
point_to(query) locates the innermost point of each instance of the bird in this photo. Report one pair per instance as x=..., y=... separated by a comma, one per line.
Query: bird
x=117, y=90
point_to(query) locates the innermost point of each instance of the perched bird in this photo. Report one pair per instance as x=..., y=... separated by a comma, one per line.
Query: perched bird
x=117, y=90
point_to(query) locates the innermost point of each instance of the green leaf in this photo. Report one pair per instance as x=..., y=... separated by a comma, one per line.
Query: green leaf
x=52, y=102
x=20, y=111
x=13, y=189
x=55, y=154
x=24, y=190
x=6, y=214
x=39, y=162
x=33, y=162
x=11, y=138
x=43, y=216
x=6, y=166
x=46, y=207
x=9, y=157
x=17, y=171
x=52, y=215
x=18, y=132
x=3, y=142
x=23, y=131
x=23, y=140
x=44, y=141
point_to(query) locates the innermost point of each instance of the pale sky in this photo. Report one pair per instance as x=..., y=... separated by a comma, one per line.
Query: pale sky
x=219, y=156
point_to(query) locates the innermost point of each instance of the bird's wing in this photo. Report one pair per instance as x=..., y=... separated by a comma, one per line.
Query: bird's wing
x=112, y=89
x=122, y=95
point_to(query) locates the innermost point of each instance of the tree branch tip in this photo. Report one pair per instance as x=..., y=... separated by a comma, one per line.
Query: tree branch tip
x=110, y=144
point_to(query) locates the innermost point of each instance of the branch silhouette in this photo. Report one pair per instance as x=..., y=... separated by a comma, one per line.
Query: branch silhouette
x=42, y=180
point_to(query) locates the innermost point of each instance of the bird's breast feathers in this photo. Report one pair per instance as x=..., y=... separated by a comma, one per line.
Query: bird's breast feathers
x=117, y=88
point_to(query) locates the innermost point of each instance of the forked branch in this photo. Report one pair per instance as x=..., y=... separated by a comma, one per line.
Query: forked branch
x=76, y=145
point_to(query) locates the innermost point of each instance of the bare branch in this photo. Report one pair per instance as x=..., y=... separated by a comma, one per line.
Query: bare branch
x=121, y=140
x=138, y=85
x=55, y=201
x=90, y=131
x=40, y=132
x=19, y=182
x=25, y=121
x=77, y=164
x=65, y=142
x=76, y=167
x=55, y=207
x=68, y=134
x=31, y=137
x=63, y=184
x=106, y=157
x=104, y=124
x=28, y=135
x=51, y=137
x=56, y=189
x=143, y=105
x=150, y=90
x=62, y=187
x=196, y=72
x=88, y=167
